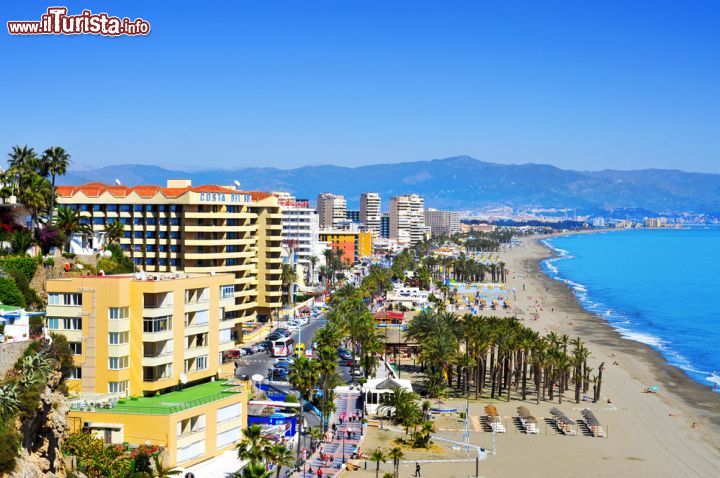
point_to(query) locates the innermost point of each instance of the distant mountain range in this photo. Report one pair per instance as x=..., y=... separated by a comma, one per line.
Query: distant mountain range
x=459, y=183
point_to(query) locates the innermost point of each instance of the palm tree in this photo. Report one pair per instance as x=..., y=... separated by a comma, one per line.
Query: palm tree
x=114, y=232
x=69, y=223
x=21, y=241
x=22, y=161
x=279, y=455
x=35, y=195
x=254, y=470
x=289, y=278
x=54, y=162
x=396, y=454
x=303, y=377
x=313, y=260
x=253, y=445
x=378, y=456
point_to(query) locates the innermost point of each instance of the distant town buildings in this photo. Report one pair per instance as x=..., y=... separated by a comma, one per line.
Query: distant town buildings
x=385, y=225
x=370, y=212
x=597, y=222
x=442, y=222
x=331, y=209
x=407, y=219
x=354, y=244
x=655, y=222
x=353, y=215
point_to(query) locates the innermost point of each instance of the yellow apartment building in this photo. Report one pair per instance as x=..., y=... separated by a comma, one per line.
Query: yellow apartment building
x=149, y=353
x=195, y=229
x=137, y=335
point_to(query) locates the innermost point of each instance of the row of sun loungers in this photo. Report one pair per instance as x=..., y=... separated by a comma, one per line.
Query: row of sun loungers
x=527, y=421
x=564, y=424
x=593, y=424
x=493, y=418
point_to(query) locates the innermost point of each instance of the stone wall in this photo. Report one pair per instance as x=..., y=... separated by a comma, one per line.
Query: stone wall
x=9, y=355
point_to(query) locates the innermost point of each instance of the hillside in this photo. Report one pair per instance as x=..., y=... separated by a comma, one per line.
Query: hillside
x=458, y=183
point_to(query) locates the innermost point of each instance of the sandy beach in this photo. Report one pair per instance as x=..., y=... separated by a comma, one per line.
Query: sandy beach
x=648, y=434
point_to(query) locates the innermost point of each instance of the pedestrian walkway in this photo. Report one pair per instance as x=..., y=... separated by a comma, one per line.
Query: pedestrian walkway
x=346, y=440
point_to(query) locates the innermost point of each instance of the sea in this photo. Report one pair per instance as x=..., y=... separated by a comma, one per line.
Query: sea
x=660, y=287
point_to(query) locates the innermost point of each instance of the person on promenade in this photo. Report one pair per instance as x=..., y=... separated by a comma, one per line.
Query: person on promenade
x=319, y=472
x=417, y=469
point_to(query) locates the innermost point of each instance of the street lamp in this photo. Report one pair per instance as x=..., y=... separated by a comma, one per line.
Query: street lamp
x=343, y=448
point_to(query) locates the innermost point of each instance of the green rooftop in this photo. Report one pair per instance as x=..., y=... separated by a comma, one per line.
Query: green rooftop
x=177, y=401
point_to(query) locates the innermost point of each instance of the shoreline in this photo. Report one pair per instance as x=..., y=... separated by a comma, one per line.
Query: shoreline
x=654, y=357
x=681, y=400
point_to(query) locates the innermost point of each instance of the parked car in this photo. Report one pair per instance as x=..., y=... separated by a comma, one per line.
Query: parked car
x=274, y=336
x=266, y=345
x=278, y=374
x=232, y=354
x=247, y=351
x=283, y=332
x=358, y=372
x=293, y=324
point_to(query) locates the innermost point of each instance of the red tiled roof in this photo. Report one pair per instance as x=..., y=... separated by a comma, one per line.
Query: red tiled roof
x=148, y=191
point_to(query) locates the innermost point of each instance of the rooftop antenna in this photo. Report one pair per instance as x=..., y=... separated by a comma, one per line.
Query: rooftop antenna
x=237, y=183
x=117, y=181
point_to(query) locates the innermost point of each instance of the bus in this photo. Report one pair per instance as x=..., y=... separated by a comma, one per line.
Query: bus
x=283, y=347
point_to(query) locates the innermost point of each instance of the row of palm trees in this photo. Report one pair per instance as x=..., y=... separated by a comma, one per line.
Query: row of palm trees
x=31, y=178
x=499, y=356
x=464, y=269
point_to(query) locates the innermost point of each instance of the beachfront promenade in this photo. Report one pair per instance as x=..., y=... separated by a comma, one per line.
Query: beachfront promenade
x=347, y=404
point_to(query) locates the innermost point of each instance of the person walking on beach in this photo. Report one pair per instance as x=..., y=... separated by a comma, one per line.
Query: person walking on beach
x=319, y=472
x=417, y=469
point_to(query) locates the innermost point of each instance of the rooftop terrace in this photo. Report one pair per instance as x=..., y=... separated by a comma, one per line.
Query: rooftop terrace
x=164, y=404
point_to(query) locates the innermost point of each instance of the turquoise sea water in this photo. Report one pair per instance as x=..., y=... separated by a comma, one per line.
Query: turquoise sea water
x=660, y=287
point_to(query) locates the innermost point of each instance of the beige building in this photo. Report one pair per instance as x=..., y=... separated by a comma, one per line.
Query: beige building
x=196, y=229
x=407, y=219
x=331, y=209
x=370, y=213
x=442, y=222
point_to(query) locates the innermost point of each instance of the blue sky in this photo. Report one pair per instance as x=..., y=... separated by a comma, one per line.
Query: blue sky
x=620, y=85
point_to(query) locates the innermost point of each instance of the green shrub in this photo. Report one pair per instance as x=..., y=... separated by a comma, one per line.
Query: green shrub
x=9, y=446
x=31, y=297
x=10, y=294
x=26, y=265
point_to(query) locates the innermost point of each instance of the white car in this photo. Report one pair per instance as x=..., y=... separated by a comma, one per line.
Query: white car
x=291, y=324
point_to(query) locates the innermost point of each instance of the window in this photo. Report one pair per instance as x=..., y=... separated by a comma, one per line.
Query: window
x=75, y=373
x=138, y=208
x=116, y=313
x=118, y=338
x=225, y=336
x=150, y=221
x=118, y=387
x=173, y=262
x=190, y=451
x=64, y=323
x=227, y=437
x=84, y=207
x=174, y=221
x=158, y=324
x=149, y=234
x=76, y=347
x=201, y=363
x=162, y=235
x=98, y=220
x=117, y=363
x=227, y=291
x=124, y=208
x=137, y=221
x=96, y=207
x=138, y=234
x=55, y=298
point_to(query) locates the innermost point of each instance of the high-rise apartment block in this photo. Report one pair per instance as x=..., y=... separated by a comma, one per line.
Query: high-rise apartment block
x=196, y=229
x=331, y=209
x=300, y=228
x=407, y=219
x=442, y=222
x=370, y=213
